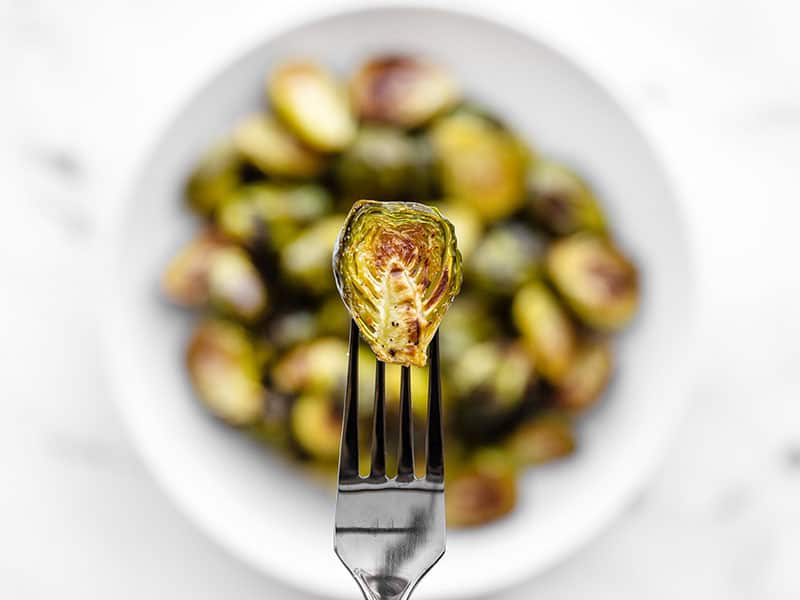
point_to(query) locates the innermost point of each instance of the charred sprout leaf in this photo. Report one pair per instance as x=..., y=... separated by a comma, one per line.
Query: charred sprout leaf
x=274, y=213
x=317, y=368
x=314, y=106
x=595, y=279
x=224, y=372
x=317, y=426
x=306, y=261
x=585, y=381
x=215, y=177
x=235, y=286
x=185, y=280
x=483, y=490
x=546, y=330
x=397, y=268
x=561, y=201
x=467, y=224
x=506, y=258
x=480, y=164
x=267, y=144
x=384, y=163
x=541, y=439
x=402, y=91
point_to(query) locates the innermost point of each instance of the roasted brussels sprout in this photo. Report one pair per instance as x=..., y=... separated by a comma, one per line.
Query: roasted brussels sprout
x=480, y=164
x=269, y=212
x=483, y=490
x=314, y=106
x=595, y=279
x=185, y=280
x=317, y=427
x=224, y=372
x=402, y=91
x=292, y=328
x=467, y=224
x=215, y=177
x=541, y=439
x=547, y=332
x=469, y=321
x=398, y=269
x=586, y=379
x=267, y=144
x=317, y=368
x=235, y=286
x=507, y=257
x=385, y=164
x=306, y=261
x=561, y=202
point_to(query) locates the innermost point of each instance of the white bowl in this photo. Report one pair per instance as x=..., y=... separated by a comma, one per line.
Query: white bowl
x=251, y=502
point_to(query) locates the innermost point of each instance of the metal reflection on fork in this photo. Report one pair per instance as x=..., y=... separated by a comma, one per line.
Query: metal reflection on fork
x=390, y=531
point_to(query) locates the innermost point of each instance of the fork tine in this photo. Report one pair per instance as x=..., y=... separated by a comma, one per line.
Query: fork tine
x=434, y=440
x=405, y=462
x=378, y=468
x=348, y=451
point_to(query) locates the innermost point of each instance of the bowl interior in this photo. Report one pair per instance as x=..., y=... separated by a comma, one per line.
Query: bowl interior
x=250, y=501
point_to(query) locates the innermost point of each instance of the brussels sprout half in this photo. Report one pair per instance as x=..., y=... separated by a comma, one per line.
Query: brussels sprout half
x=506, y=258
x=595, y=279
x=482, y=490
x=541, y=439
x=215, y=177
x=306, y=261
x=561, y=202
x=317, y=427
x=402, y=91
x=586, y=379
x=397, y=268
x=235, y=286
x=185, y=280
x=317, y=368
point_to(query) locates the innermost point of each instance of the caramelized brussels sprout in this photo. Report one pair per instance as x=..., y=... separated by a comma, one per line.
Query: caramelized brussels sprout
x=267, y=144
x=215, y=177
x=469, y=321
x=333, y=318
x=480, y=164
x=272, y=212
x=317, y=427
x=385, y=164
x=398, y=269
x=235, y=286
x=595, y=279
x=224, y=372
x=306, y=261
x=293, y=328
x=185, y=280
x=316, y=368
x=541, y=439
x=402, y=91
x=547, y=332
x=467, y=224
x=483, y=490
x=506, y=258
x=586, y=379
x=561, y=202
x=311, y=102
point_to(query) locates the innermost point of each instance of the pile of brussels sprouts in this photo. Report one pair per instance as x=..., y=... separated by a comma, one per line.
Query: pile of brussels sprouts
x=525, y=347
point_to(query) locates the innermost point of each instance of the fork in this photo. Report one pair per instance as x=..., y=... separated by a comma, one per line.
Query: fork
x=390, y=531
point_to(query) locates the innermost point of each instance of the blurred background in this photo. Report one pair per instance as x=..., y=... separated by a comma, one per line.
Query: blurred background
x=88, y=85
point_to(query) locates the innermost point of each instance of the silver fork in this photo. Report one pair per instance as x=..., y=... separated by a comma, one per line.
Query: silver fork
x=390, y=532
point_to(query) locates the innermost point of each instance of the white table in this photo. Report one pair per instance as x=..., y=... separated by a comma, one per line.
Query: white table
x=85, y=86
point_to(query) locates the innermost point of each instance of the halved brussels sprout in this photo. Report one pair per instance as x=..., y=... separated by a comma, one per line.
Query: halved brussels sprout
x=317, y=368
x=313, y=104
x=332, y=317
x=215, y=177
x=506, y=258
x=467, y=224
x=585, y=381
x=469, y=321
x=235, y=286
x=547, y=332
x=480, y=164
x=267, y=144
x=385, y=164
x=272, y=212
x=483, y=490
x=541, y=439
x=292, y=328
x=402, y=91
x=224, y=372
x=397, y=268
x=306, y=261
x=185, y=280
x=317, y=427
x=561, y=201
x=595, y=279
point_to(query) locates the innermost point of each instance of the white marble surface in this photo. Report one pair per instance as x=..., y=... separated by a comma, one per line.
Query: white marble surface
x=86, y=84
